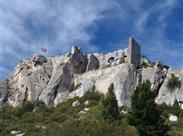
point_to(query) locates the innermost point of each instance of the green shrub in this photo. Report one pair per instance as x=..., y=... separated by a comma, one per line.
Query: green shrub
x=92, y=95
x=176, y=127
x=57, y=117
x=41, y=107
x=110, y=105
x=28, y=107
x=175, y=109
x=174, y=83
x=18, y=112
x=144, y=114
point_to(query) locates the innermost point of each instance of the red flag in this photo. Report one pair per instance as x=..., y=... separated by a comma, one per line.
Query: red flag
x=43, y=49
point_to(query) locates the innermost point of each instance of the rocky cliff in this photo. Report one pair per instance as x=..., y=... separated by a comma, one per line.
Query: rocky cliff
x=56, y=79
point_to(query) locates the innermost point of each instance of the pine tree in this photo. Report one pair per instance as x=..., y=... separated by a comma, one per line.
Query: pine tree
x=109, y=103
x=144, y=114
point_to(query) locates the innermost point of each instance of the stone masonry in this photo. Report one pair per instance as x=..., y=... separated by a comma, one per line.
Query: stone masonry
x=134, y=55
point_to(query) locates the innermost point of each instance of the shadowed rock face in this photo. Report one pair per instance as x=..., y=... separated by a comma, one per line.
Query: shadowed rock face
x=61, y=81
x=52, y=80
x=93, y=63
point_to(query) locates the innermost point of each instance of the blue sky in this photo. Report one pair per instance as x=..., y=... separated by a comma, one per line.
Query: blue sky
x=94, y=25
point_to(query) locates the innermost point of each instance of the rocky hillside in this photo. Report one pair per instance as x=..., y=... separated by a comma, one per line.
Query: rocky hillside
x=55, y=79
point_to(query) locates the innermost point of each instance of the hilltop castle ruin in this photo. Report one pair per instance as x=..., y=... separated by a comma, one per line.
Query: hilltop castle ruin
x=53, y=80
x=131, y=55
x=50, y=79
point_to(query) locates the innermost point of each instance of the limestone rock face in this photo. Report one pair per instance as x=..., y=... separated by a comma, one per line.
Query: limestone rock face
x=123, y=76
x=49, y=82
x=27, y=82
x=167, y=96
x=62, y=78
x=159, y=77
x=155, y=74
x=51, y=79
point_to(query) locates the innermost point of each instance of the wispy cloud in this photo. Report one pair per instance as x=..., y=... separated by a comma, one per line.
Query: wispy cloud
x=56, y=25
x=154, y=37
x=161, y=8
x=29, y=25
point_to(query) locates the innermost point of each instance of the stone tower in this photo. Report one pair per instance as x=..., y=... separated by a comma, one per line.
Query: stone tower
x=134, y=55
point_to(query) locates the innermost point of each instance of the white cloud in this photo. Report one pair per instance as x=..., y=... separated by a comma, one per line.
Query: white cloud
x=69, y=20
x=162, y=8
x=29, y=25
x=156, y=43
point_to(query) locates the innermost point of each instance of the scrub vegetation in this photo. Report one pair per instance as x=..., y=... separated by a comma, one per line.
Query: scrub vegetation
x=104, y=117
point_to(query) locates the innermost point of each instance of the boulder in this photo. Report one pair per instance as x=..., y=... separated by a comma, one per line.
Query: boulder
x=82, y=112
x=181, y=106
x=86, y=102
x=76, y=103
x=14, y=132
x=86, y=109
x=21, y=134
x=124, y=112
x=173, y=118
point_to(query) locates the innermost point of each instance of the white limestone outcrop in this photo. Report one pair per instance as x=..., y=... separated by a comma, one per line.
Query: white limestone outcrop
x=51, y=80
x=123, y=76
x=168, y=96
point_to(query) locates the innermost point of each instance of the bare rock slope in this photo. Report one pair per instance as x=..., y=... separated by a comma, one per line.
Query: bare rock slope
x=56, y=79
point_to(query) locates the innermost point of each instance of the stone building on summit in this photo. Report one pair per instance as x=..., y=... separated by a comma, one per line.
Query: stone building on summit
x=131, y=55
x=134, y=54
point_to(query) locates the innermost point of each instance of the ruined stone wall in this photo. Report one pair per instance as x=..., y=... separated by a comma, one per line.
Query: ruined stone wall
x=103, y=58
x=134, y=55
